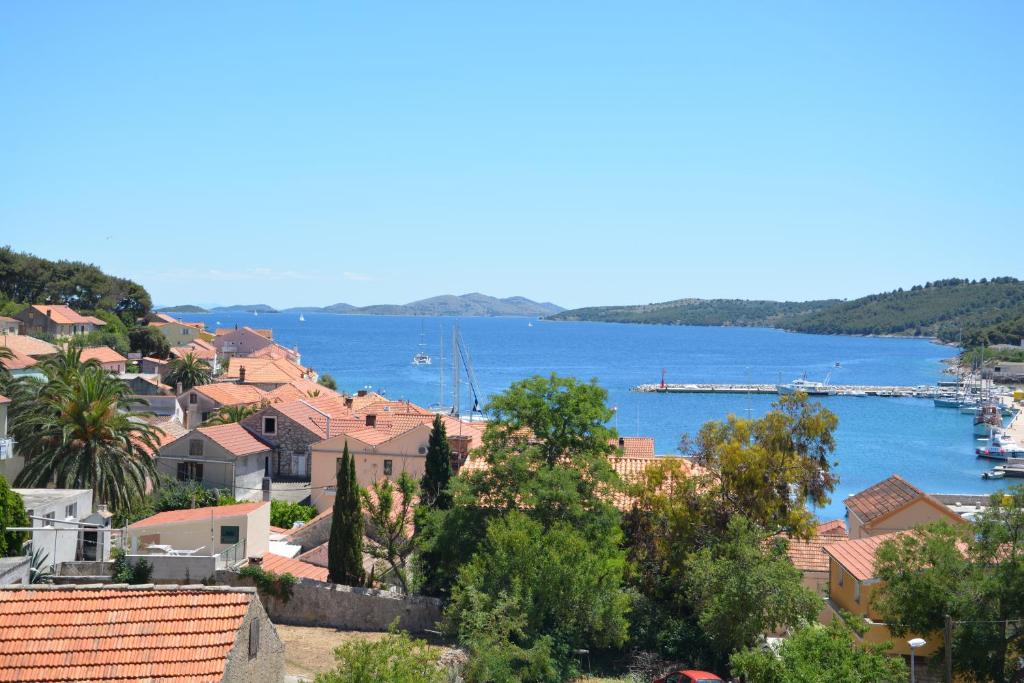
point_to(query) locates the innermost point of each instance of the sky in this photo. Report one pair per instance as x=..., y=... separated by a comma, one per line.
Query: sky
x=584, y=153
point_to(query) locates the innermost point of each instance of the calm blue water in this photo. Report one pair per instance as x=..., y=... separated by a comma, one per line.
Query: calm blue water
x=931, y=447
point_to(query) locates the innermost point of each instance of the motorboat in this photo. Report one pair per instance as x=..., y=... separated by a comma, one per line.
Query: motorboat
x=1000, y=446
x=809, y=387
x=986, y=418
x=946, y=401
x=421, y=358
x=997, y=473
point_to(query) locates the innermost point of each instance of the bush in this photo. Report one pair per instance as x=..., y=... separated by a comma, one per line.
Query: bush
x=268, y=583
x=395, y=658
x=284, y=514
x=124, y=571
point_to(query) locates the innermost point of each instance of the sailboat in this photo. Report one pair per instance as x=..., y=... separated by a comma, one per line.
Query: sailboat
x=421, y=357
x=302, y=318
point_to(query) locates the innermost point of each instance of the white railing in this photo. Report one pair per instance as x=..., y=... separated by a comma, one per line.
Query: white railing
x=6, y=448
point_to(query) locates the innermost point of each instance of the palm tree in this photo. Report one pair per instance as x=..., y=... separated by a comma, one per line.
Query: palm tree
x=228, y=414
x=5, y=354
x=79, y=434
x=190, y=370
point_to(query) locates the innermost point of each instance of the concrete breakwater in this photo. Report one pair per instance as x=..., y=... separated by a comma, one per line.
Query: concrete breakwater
x=831, y=390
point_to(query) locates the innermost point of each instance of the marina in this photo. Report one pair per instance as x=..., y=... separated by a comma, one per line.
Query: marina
x=858, y=390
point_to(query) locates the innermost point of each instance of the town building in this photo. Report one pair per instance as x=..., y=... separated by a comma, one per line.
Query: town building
x=809, y=557
x=241, y=341
x=223, y=456
x=56, y=320
x=28, y=346
x=241, y=530
x=64, y=527
x=174, y=634
x=201, y=402
x=9, y=325
x=176, y=332
x=893, y=505
x=109, y=359
x=266, y=373
x=11, y=463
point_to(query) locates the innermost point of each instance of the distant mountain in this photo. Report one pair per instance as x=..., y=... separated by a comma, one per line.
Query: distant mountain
x=243, y=308
x=987, y=310
x=466, y=305
x=187, y=308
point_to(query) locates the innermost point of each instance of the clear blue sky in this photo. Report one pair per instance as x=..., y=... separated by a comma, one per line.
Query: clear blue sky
x=578, y=152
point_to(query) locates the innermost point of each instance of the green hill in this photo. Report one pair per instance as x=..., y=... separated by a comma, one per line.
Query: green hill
x=713, y=312
x=987, y=310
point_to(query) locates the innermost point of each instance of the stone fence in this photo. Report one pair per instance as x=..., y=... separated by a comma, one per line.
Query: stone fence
x=315, y=603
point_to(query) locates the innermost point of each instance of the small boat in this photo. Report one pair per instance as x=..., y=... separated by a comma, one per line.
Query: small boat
x=302, y=318
x=859, y=393
x=809, y=387
x=946, y=402
x=838, y=364
x=1000, y=447
x=968, y=408
x=987, y=418
x=421, y=359
x=996, y=473
x=529, y=324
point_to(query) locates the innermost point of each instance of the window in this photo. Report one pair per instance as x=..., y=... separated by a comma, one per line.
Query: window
x=190, y=471
x=205, y=416
x=856, y=592
x=71, y=510
x=193, y=398
x=842, y=573
x=270, y=425
x=254, y=638
x=49, y=516
x=229, y=535
x=195, y=447
x=387, y=468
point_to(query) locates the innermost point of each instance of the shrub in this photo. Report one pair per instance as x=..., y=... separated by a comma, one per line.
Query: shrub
x=284, y=514
x=124, y=571
x=395, y=658
x=268, y=583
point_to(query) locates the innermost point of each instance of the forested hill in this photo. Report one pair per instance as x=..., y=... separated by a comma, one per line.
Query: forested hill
x=28, y=279
x=714, y=312
x=987, y=310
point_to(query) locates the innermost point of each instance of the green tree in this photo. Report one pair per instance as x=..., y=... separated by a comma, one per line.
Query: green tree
x=325, y=380
x=12, y=514
x=741, y=588
x=565, y=586
x=395, y=658
x=973, y=573
x=820, y=654
x=388, y=531
x=149, y=341
x=189, y=370
x=231, y=414
x=345, y=546
x=284, y=514
x=79, y=432
x=434, y=485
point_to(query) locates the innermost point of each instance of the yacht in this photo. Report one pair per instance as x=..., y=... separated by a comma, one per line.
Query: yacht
x=421, y=358
x=809, y=387
x=986, y=418
x=1000, y=447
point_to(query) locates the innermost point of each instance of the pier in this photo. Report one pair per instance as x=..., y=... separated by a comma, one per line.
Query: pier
x=831, y=390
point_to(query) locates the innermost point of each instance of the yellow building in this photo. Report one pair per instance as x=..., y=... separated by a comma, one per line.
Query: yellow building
x=893, y=505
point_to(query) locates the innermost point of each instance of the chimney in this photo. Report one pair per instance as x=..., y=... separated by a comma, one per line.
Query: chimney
x=371, y=420
x=241, y=375
x=622, y=442
x=179, y=390
x=266, y=489
x=348, y=401
x=361, y=393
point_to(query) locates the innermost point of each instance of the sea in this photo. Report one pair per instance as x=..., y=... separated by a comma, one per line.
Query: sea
x=931, y=447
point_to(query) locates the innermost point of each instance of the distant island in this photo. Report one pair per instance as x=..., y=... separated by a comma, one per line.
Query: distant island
x=466, y=305
x=976, y=311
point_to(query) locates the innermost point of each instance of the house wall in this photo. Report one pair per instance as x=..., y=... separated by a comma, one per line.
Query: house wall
x=35, y=322
x=290, y=439
x=9, y=327
x=253, y=527
x=118, y=367
x=268, y=664
x=243, y=475
x=240, y=342
x=843, y=597
x=403, y=452
x=177, y=334
x=59, y=540
x=916, y=513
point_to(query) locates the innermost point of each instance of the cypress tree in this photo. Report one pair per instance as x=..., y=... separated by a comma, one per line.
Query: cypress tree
x=434, y=484
x=345, y=547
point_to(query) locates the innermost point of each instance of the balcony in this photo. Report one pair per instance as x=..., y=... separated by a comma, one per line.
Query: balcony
x=6, y=448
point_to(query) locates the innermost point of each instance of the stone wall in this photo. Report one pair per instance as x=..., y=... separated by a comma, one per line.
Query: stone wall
x=313, y=533
x=14, y=570
x=314, y=603
x=267, y=666
x=290, y=437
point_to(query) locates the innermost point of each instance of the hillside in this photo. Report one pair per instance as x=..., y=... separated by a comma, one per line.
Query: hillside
x=713, y=312
x=243, y=308
x=987, y=310
x=467, y=305
x=186, y=308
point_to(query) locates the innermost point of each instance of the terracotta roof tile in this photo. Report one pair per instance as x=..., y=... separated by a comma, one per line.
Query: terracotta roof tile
x=65, y=634
x=64, y=315
x=301, y=389
x=635, y=446
x=4, y=399
x=26, y=345
x=231, y=394
x=883, y=498
x=265, y=370
x=306, y=413
x=19, y=362
x=194, y=514
x=234, y=438
x=297, y=568
x=102, y=354
x=809, y=555
x=858, y=556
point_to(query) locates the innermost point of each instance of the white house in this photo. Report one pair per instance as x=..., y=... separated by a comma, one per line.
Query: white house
x=243, y=528
x=59, y=518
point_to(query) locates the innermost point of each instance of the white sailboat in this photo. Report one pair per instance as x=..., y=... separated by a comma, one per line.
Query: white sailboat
x=302, y=318
x=421, y=357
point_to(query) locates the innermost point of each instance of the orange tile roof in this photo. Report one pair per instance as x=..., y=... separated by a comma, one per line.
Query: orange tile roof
x=297, y=568
x=231, y=394
x=858, y=556
x=234, y=438
x=26, y=345
x=102, y=354
x=94, y=320
x=265, y=370
x=197, y=514
x=4, y=399
x=305, y=413
x=300, y=390
x=198, y=351
x=274, y=351
x=808, y=555
x=64, y=315
x=883, y=498
x=108, y=633
x=263, y=332
x=19, y=362
x=835, y=527
x=370, y=397
x=5, y=319
x=635, y=446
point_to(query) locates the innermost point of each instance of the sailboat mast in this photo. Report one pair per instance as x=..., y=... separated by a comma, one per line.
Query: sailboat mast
x=455, y=370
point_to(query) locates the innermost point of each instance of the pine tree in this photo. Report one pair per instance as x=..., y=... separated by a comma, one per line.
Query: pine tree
x=345, y=547
x=434, y=484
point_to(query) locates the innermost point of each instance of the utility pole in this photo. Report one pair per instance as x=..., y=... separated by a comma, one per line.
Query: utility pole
x=949, y=649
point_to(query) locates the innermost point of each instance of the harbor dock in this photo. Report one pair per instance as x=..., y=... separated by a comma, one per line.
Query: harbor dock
x=833, y=390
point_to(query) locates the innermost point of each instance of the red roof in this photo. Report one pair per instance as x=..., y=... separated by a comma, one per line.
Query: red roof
x=197, y=514
x=19, y=362
x=234, y=438
x=265, y=370
x=635, y=446
x=809, y=555
x=64, y=315
x=4, y=399
x=107, y=633
x=858, y=556
x=885, y=497
x=26, y=345
x=280, y=564
x=305, y=413
x=231, y=394
x=102, y=354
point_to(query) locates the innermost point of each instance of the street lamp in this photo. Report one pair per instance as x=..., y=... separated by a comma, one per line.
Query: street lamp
x=914, y=643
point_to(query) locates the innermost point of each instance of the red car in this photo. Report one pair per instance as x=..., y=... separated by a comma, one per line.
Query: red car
x=689, y=676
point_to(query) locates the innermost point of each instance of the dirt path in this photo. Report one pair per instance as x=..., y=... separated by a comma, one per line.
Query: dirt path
x=310, y=650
